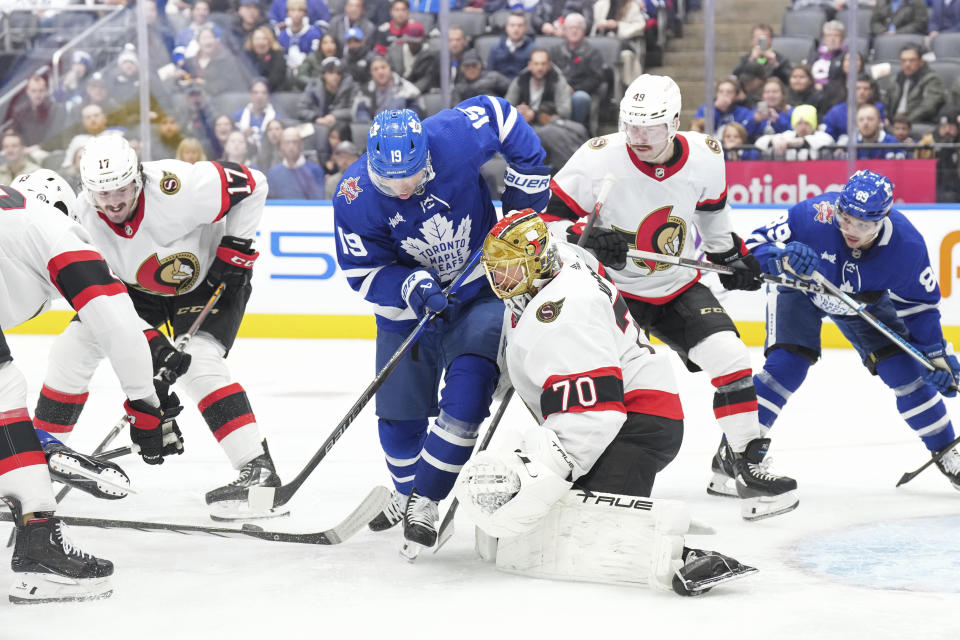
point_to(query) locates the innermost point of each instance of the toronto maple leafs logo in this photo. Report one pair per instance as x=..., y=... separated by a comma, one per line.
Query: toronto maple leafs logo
x=851, y=277
x=349, y=189
x=824, y=211
x=440, y=249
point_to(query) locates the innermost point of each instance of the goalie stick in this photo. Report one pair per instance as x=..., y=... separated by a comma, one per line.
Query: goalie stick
x=279, y=496
x=445, y=532
x=375, y=502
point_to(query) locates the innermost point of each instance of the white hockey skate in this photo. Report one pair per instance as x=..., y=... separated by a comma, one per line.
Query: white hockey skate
x=48, y=567
x=949, y=465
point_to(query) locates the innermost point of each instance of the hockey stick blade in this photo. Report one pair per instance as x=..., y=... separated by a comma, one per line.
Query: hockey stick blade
x=375, y=502
x=910, y=475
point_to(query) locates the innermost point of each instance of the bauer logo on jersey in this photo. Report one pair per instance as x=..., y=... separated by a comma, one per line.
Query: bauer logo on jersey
x=825, y=211
x=349, y=189
x=441, y=248
x=714, y=145
x=169, y=183
x=548, y=311
x=658, y=232
x=169, y=276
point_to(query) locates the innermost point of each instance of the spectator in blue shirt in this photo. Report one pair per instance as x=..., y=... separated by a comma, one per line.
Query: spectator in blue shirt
x=944, y=16
x=318, y=12
x=870, y=130
x=834, y=121
x=295, y=178
x=511, y=55
x=726, y=109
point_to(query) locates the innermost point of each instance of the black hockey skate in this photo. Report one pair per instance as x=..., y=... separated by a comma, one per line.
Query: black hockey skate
x=949, y=465
x=235, y=501
x=722, y=482
x=419, y=525
x=762, y=494
x=48, y=567
x=99, y=478
x=703, y=570
x=391, y=515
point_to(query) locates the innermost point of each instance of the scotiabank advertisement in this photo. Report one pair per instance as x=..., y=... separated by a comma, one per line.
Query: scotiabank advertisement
x=791, y=182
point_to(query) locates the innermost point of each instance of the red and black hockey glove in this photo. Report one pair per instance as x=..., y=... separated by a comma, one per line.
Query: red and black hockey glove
x=233, y=265
x=153, y=430
x=748, y=275
x=169, y=363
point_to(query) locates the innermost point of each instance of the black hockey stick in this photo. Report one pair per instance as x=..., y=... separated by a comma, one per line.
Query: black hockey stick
x=278, y=496
x=445, y=532
x=783, y=281
x=910, y=475
x=373, y=504
x=861, y=310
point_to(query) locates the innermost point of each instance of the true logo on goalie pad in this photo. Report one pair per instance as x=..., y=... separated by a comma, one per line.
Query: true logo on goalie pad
x=614, y=500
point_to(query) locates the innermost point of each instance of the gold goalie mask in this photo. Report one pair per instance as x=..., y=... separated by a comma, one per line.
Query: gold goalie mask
x=518, y=252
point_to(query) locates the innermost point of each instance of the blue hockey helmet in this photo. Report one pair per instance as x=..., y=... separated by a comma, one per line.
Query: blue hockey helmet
x=397, y=149
x=867, y=196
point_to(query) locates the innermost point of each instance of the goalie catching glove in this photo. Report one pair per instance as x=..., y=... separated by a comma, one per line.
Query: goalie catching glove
x=748, y=275
x=233, y=265
x=153, y=430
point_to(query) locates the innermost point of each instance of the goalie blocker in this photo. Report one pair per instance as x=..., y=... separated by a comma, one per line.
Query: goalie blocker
x=531, y=522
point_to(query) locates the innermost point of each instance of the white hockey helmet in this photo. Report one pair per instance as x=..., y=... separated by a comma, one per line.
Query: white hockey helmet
x=46, y=186
x=649, y=101
x=109, y=162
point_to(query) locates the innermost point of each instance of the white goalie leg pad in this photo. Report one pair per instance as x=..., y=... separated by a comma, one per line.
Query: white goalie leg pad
x=601, y=537
x=36, y=588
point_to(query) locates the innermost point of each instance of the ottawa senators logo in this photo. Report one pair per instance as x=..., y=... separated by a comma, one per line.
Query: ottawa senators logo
x=170, y=276
x=714, y=145
x=349, y=189
x=659, y=232
x=548, y=311
x=597, y=143
x=169, y=183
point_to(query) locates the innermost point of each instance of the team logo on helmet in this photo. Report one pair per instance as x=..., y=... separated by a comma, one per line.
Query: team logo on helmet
x=349, y=189
x=825, y=212
x=548, y=311
x=169, y=183
x=713, y=144
x=658, y=232
x=168, y=276
x=597, y=143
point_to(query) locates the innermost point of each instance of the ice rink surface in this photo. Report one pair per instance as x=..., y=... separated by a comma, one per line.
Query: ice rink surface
x=857, y=559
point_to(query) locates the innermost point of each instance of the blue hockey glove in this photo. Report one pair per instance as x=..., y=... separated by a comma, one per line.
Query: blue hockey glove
x=526, y=188
x=796, y=259
x=422, y=294
x=946, y=376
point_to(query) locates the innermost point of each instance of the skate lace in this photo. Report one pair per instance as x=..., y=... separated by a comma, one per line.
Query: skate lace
x=394, y=509
x=247, y=473
x=424, y=511
x=763, y=470
x=67, y=544
x=951, y=462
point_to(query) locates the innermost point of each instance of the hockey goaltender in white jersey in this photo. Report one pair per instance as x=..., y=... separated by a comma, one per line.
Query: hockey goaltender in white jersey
x=609, y=419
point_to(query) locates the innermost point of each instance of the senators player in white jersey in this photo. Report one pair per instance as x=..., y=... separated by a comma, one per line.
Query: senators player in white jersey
x=609, y=420
x=45, y=255
x=668, y=186
x=173, y=231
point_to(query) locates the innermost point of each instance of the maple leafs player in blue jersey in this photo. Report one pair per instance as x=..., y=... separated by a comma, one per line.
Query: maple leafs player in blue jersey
x=857, y=242
x=409, y=214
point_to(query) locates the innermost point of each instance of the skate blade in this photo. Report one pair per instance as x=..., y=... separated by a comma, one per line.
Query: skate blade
x=39, y=588
x=722, y=486
x=110, y=484
x=232, y=510
x=753, y=509
x=410, y=550
x=699, y=587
